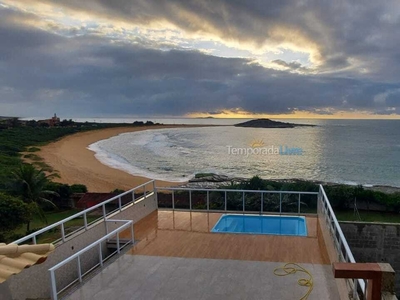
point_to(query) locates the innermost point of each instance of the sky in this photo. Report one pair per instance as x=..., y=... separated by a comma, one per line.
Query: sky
x=220, y=58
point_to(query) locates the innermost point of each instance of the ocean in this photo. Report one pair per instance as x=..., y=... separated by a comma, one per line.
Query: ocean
x=343, y=151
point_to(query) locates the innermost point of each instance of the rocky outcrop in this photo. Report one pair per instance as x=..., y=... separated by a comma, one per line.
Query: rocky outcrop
x=267, y=123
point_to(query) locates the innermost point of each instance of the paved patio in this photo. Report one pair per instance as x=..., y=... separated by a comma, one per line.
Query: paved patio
x=156, y=277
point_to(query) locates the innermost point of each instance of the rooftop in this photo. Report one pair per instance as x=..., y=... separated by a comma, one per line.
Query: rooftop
x=161, y=277
x=177, y=257
x=137, y=251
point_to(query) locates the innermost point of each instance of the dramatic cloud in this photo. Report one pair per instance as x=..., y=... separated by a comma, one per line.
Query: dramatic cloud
x=98, y=57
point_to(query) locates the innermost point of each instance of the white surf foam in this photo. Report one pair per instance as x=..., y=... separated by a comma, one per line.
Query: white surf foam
x=117, y=162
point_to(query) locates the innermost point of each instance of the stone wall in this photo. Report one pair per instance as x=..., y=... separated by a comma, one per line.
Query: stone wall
x=35, y=281
x=375, y=242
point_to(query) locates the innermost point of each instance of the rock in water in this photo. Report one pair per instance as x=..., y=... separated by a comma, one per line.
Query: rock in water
x=267, y=123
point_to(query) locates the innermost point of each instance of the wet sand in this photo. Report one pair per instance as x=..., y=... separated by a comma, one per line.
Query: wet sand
x=75, y=164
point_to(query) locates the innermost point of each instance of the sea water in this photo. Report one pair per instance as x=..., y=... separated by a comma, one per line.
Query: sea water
x=344, y=151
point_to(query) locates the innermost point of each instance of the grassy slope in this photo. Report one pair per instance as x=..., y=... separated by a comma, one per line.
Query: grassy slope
x=53, y=217
x=368, y=216
x=13, y=141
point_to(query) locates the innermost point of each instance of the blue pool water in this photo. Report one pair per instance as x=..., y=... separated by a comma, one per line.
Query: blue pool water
x=252, y=224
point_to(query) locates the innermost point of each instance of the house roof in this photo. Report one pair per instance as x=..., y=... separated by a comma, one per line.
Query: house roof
x=15, y=258
x=91, y=198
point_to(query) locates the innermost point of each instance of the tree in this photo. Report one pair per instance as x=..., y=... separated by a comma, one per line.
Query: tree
x=256, y=183
x=79, y=188
x=13, y=213
x=29, y=183
x=62, y=190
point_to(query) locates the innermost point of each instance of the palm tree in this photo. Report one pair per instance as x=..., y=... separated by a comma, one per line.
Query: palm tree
x=30, y=184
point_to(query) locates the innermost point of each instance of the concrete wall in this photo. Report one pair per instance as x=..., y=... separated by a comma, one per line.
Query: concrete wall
x=141, y=209
x=35, y=281
x=375, y=242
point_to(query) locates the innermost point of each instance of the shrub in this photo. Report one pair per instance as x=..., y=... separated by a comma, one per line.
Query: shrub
x=13, y=213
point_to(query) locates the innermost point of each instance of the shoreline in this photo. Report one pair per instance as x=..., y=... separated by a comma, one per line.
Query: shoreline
x=199, y=183
x=75, y=164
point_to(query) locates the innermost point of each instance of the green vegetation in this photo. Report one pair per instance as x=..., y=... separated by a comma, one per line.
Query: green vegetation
x=33, y=157
x=29, y=183
x=44, y=167
x=17, y=138
x=33, y=149
x=368, y=216
x=26, y=185
x=78, y=188
x=52, y=217
x=341, y=197
x=13, y=213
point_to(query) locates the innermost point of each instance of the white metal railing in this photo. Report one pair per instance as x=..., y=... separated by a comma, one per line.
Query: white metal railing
x=226, y=191
x=339, y=240
x=61, y=224
x=127, y=224
x=149, y=188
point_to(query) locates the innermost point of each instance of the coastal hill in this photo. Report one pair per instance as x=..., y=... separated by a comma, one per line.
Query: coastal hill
x=267, y=123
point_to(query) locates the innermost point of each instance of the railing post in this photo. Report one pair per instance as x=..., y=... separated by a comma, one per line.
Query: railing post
x=34, y=240
x=133, y=196
x=208, y=200
x=355, y=284
x=53, y=286
x=132, y=234
x=104, y=218
x=226, y=202
x=155, y=192
x=243, y=202
x=298, y=209
x=104, y=212
x=333, y=230
x=100, y=255
x=79, y=269
x=85, y=220
x=262, y=203
x=173, y=200
x=190, y=200
x=62, y=232
x=144, y=191
x=118, y=250
x=120, y=204
x=280, y=202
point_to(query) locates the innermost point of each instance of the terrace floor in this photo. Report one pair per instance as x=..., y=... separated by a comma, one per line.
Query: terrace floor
x=187, y=234
x=159, y=277
x=177, y=257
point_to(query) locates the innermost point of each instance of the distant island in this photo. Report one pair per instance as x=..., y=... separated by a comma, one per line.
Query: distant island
x=267, y=123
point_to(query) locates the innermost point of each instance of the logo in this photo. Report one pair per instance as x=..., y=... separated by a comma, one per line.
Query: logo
x=258, y=147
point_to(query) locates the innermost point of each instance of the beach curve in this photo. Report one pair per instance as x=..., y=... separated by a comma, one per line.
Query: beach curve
x=76, y=164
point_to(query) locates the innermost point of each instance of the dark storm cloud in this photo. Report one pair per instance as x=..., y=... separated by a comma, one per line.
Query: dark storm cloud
x=339, y=33
x=41, y=72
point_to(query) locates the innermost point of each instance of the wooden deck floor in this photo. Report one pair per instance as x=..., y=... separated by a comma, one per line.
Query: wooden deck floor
x=187, y=234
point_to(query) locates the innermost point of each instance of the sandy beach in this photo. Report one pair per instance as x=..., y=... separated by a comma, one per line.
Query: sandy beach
x=77, y=165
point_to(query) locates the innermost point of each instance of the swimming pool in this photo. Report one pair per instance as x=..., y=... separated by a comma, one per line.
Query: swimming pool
x=253, y=224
